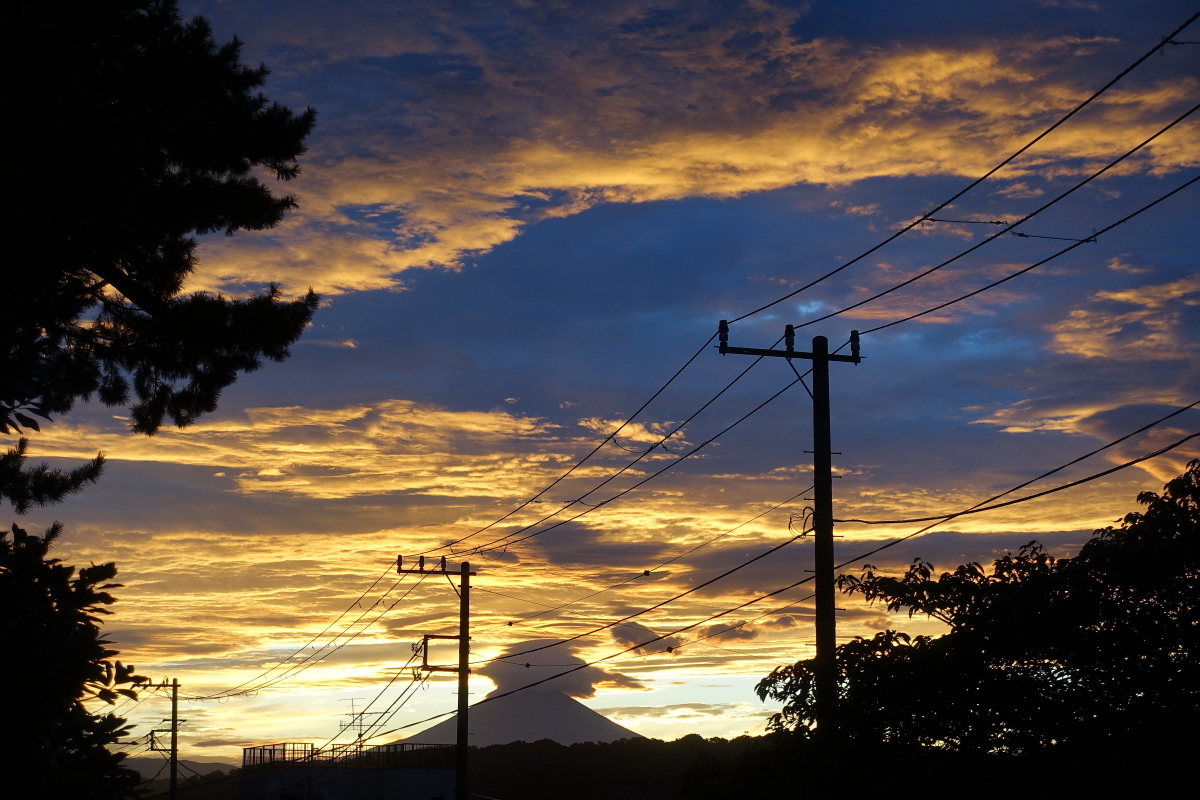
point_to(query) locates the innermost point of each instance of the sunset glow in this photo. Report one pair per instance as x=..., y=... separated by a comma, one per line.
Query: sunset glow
x=523, y=218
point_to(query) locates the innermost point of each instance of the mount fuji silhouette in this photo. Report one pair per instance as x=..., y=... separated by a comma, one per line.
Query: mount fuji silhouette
x=528, y=717
x=548, y=711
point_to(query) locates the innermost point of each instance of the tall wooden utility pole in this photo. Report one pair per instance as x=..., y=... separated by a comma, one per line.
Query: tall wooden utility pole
x=826, y=667
x=463, y=669
x=174, y=731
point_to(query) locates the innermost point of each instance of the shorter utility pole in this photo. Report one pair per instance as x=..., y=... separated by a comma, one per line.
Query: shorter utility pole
x=173, y=730
x=464, y=654
x=826, y=689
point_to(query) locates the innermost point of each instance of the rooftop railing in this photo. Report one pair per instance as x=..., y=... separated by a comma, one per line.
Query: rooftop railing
x=355, y=756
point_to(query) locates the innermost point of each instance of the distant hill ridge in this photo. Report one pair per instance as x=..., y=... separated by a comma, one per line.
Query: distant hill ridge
x=149, y=767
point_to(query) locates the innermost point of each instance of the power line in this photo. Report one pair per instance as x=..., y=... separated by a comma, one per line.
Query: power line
x=928, y=217
x=387, y=685
x=320, y=655
x=1010, y=227
x=622, y=470
x=704, y=639
x=501, y=543
x=1019, y=272
x=1072, y=484
x=803, y=581
x=800, y=582
x=304, y=646
x=292, y=672
x=609, y=657
x=644, y=573
x=978, y=506
x=612, y=435
x=924, y=217
x=654, y=607
x=495, y=544
x=402, y=699
x=581, y=461
x=149, y=781
x=1083, y=457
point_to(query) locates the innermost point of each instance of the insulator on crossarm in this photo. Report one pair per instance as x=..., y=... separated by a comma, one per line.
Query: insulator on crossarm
x=399, y=564
x=854, y=351
x=443, y=563
x=421, y=563
x=723, y=335
x=789, y=337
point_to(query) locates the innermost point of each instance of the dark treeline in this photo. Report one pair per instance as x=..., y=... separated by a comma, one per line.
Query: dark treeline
x=630, y=769
x=213, y=785
x=785, y=765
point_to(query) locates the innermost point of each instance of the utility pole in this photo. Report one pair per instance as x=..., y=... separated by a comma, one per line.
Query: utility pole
x=174, y=731
x=826, y=689
x=174, y=738
x=464, y=655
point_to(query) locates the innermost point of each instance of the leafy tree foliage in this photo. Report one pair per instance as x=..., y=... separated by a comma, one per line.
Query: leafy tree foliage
x=131, y=133
x=55, y=662
x=1089, y=651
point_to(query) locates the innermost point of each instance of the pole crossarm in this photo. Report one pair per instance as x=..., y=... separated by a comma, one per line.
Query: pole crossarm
x=425, y=665
x=789, y=338
x=440, y=569
x=755, y=351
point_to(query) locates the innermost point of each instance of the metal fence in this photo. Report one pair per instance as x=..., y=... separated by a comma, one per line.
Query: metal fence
x=277, y=753
x=355, y=756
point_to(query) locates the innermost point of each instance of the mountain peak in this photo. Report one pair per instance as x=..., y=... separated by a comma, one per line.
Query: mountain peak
x=529, y=717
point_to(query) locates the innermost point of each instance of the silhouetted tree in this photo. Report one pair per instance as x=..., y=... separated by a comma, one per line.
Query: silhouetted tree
x=55, y=661
x=130, y=132
x=1094, y=651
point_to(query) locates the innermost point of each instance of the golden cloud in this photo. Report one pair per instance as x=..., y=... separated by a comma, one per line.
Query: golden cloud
x=1155, y=330
x=701, y=100
x=389, y=446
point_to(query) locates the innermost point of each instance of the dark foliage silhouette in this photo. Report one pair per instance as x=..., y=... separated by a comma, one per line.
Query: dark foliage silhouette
x=41, y=485
x=132, y=132
x=1093, y=651
x=627, y=769
x=55, y=662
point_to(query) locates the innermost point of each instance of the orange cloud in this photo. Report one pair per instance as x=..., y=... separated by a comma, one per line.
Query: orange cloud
x=1153, y=330
x=711, y=103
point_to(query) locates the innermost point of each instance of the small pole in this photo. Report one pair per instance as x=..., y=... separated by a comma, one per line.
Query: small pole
x=174, y=738
x=464, y=673
x=463, y=669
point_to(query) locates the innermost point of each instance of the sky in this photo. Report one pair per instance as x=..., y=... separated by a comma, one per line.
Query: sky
x=523, y=218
